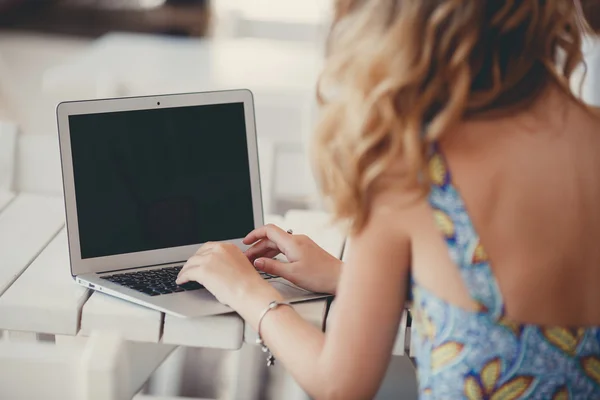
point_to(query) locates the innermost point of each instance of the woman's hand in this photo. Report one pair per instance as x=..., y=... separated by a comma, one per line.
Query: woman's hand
x=225, y=271
x=309, y=267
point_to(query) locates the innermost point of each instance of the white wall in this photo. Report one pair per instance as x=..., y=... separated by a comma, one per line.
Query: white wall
x=591, y=88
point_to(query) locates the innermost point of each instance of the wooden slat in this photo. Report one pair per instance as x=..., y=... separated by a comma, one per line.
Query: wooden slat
x=143, y=360
x=103, y=367
x=222, y=331
x=133, y=322
x=22, y=337
x=37, y=371
x=27, y=225
x=70, y=340
x=46, y=294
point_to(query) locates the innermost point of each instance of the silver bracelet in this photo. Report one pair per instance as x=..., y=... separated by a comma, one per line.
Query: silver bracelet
x=272, y=305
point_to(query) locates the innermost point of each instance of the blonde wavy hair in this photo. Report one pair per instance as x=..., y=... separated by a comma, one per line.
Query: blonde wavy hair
x=400, y=73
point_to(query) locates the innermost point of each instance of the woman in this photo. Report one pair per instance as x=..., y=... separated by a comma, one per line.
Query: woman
x=453, y=147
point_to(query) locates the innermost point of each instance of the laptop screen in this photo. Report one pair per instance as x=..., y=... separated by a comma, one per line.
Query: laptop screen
x=155, y=179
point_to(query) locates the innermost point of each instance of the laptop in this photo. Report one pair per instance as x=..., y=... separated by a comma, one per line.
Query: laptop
x=147, y=181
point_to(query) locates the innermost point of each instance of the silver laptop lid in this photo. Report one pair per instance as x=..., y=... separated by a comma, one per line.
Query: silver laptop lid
x=149, y=179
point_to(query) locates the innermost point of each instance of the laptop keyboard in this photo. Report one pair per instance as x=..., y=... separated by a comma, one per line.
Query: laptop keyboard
x=158, y=281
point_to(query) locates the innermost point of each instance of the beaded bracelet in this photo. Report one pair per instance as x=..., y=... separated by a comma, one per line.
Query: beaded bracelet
x=272, y=305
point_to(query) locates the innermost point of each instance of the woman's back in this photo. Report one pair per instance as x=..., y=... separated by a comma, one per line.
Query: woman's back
x=503, y=254
x=509, y=310
x=531, y=187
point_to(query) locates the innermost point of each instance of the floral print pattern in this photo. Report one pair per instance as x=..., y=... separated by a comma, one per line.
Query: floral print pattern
x=483, y=354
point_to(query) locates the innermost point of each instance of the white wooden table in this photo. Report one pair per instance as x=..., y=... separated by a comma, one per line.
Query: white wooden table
x=38, y=296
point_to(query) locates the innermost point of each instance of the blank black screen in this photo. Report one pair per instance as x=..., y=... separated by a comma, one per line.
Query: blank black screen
x=153, y=179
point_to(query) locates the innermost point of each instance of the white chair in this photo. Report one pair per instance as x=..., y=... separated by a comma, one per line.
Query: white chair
x=37, y=165
x=98, y=370
x=14, y=100
x=28, y=163
x=286, y=177
x=8, y=91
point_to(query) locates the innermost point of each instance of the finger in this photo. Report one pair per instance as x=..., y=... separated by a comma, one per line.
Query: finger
x=255, y=235
x=281, y=238
x=261, y=248
x=266, y=231
x=269, y=254
x=193, y=262
x=191, y=274
x=271, y=266
x=183, y=277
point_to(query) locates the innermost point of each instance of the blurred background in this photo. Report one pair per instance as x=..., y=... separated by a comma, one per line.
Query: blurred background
x=58, y=50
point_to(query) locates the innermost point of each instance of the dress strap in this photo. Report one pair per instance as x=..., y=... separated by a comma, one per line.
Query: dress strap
x=466, y=250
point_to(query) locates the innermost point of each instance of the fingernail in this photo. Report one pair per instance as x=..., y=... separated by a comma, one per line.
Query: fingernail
x=259, y=263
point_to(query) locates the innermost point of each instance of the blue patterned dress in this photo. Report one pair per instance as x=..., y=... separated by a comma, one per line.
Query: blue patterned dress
x=483, y=354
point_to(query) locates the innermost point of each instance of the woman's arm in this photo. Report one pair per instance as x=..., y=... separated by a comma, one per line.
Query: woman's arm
x=350, y=361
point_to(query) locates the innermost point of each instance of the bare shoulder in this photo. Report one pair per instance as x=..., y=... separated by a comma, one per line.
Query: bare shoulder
x=396, y=205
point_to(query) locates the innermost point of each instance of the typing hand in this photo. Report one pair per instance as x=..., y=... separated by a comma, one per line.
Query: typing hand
x=224, y=270
x=309, y=267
